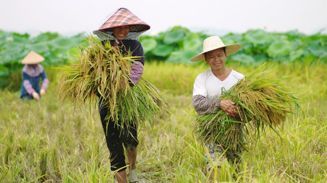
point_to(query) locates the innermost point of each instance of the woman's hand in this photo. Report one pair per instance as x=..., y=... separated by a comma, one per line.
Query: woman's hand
x=229, y=107
x=42, y=92
x=36, y=96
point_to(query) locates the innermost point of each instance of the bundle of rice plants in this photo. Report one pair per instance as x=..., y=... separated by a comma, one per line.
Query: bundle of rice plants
x=261, y=102
x=102, y=71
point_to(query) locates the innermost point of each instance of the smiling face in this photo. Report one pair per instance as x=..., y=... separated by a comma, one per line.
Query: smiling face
x=120, y=32
x=32, y=65
x=216, y=59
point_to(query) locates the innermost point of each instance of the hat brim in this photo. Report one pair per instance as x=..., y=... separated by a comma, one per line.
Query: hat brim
x=32, y=58
x=132, y=28
x=230, y=49
x=32, y=61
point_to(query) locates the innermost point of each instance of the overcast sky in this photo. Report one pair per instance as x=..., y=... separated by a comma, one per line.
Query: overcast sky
x=73, y=16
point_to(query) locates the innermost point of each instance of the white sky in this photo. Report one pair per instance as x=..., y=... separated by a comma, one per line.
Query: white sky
x=72, y=16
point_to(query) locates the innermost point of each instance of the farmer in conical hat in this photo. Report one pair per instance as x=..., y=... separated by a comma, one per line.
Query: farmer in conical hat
x=122, y=30
x=208, y=86
x=32, y=73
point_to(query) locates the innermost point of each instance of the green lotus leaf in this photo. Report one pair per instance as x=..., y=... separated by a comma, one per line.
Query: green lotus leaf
x=162, y=50
x=148, y=44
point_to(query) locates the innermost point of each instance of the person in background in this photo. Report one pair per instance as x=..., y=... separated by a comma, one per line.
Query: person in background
x=32, y=73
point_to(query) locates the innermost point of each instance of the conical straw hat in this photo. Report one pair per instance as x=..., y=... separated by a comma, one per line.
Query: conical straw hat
x=124, y=17
x=32, y=58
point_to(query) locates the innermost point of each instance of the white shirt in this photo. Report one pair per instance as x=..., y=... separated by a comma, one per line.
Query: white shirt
x=208, y=85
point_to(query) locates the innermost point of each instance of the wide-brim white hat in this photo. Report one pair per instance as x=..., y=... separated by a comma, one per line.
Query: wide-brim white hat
x=213, y=43
x=32, y=58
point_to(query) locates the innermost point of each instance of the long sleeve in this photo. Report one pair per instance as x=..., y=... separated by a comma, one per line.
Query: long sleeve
x=136, y=72
x=204, y=106
x=27, y=85
x=45, y=81
x=137, y=65
x=137, y=50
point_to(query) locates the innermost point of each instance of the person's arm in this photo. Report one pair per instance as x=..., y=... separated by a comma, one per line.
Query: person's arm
x=204, y=106
x=200, y=101
x=136, y=72
x=45, y=83
x=28, y=86
x=137, y=65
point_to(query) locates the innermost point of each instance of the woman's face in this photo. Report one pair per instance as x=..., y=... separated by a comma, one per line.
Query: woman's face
x=216, y=58
x=120, y=32
x=32, y=65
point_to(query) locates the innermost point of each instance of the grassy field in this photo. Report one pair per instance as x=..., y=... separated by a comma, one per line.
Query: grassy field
x=56, y=141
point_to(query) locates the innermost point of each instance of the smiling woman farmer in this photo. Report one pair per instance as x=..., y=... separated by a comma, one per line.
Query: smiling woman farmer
x=121, y=31
x=209, y=85
x=110, y=70
x=230, y=105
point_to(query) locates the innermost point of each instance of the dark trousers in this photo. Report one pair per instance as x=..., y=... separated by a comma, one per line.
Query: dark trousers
x=117, y=138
